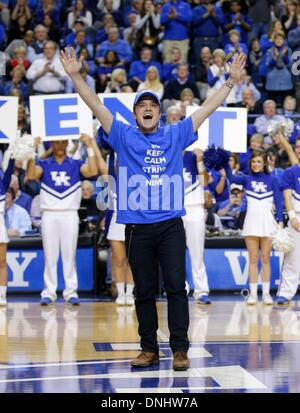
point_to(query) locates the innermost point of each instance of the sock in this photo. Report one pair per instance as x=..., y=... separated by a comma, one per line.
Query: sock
x=129, y=289
x=121, y=288
x=253, y=289
x=3, y=290
x=266, y=288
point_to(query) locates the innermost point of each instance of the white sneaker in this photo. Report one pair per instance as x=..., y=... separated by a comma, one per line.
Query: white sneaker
x=267, y=299
x=121, y=300
x=3, y=301
x=129, y=299
x=252, y=299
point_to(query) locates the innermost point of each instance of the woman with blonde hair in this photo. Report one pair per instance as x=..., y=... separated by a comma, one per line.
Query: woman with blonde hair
x=118, y=78
x=152, y=82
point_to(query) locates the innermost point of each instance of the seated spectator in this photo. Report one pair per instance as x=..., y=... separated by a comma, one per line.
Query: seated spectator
x=54, y=32
x=121, y=47
x=126, y=88
x=89, y=62
x=289, y=107
x=21, y=198
x=174, y=88
x=218, y=185
x=138, y=69
x=148, y=27
x=118, y=78
x=47, y=74
x=50, y=8
x=135, y=7
x=294, y=36
x=200, y=72
x=282, y=156
x=173, y=114
x=217, y=75
x=237, y=21
x=289, y=19
x=19, y=59
x=19, y=28
x=246, y=83
x=79, y=11
x=16, y=82
x=248, y=101
x=17, y=219
x=27, y=41
x=169, y=70
x=279, y=81
x=186, y=99
x=176, y=16
x=235, y=207
x=234, y=44
x=88, y=200
x=36, y=49
x=105, y=69
x=255, y=59
x=82, y=40
x=256, y=142
x=208, y=19
x=21, y=9
x=152, y=82
x=130, y=34
x=102, y=33
x=90, y=81
x=263, y=122
x=108, y=8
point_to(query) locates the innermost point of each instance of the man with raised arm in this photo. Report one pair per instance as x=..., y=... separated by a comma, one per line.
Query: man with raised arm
x=150, y=203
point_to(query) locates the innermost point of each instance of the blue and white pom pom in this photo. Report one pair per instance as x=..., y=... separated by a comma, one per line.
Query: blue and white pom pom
x=283, y=241
x=216, y=158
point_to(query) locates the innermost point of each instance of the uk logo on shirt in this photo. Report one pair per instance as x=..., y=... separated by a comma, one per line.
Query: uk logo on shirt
x=60, y=178
x=259, y=186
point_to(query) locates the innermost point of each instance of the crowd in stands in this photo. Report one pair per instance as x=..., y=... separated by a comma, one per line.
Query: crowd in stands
x=179, y=49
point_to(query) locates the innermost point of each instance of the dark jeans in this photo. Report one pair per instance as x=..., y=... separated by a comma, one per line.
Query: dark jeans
x=148, y=245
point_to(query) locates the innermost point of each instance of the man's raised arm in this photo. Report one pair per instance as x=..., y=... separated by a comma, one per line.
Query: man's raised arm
x=72, y=67
x=213, y=102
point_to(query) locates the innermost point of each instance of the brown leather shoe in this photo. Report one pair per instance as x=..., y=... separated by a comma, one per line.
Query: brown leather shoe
x=145, y=359
x=181, y=361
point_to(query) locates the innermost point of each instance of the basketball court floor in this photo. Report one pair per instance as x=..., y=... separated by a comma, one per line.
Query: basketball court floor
x=63, y=349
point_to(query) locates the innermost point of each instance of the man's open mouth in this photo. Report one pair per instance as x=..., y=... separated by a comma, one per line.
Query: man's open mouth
x=147, y=116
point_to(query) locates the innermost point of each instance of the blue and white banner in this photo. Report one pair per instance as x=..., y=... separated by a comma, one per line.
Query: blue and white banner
x=59, y=117
x=26, y=270
x=120, y=105
x=8, y=118
x=227, y=127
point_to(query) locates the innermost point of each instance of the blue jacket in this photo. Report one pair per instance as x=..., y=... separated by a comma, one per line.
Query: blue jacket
x=278, y=73
x=8, y=86
x=229, y=18
x=121, y=47
x=176, y=29
x=139, y=69
x=207, y=26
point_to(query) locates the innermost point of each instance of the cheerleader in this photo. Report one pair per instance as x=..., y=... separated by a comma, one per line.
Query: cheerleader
x=262, y=190
x=4, y=184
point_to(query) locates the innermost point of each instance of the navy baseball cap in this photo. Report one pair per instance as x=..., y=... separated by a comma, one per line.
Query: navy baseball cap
x=144, y=95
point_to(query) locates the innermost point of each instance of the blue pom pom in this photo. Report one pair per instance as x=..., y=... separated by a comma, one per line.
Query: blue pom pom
x=216, y=158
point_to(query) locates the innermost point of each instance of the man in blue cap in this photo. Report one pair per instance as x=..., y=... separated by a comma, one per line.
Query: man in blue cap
x=150, y=198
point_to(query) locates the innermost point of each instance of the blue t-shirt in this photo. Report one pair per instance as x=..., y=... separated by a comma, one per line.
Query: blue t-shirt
x=150, y=186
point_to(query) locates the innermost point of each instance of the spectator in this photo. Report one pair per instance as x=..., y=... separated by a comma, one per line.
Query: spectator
x=255, y=59
x=108, y=8
x=102, y=33
x=148, y=26
x=174, y=88
x=263, y=122
x=82, y=40
x=169, y=70
x=279, y=82
x=186, y=99
x=26, y=42
x=121, y=47
x=260, y=13
x=173, y=114
x=36, y=49
x=267, y=39
x=47, y=74
x=21, y=198
x=105, y=69
x=294, y=36
x=21, y=9
x=138, y=69
x=273, y=165
x=282, y=156
x=19, y=59
x=289, y=20
x=17, y=218
x=130, y=33
x=116, y=4
x=234, y=44
x=88, y=200
x=289, y=107
x=237, y=21
x=16, y=82
x=234, y=163
x=248, y=101
x=79, y=11
x=218, y=185
x=19, y=28
x=5, y=13
x=118, y=78
x=234, y=207
x=48, y=8
x=176, y=15
x=54, y=32
x=87, y=78
x=136, y=7
x=200, y=72
x=152, y=82
x=36, y=212
x=246, y=83
x=23, y=125
x=87, y=59
x=256, y=143
x=208, y=20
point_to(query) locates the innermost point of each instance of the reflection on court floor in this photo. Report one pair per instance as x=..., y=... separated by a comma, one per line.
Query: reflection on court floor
x=88, y=349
